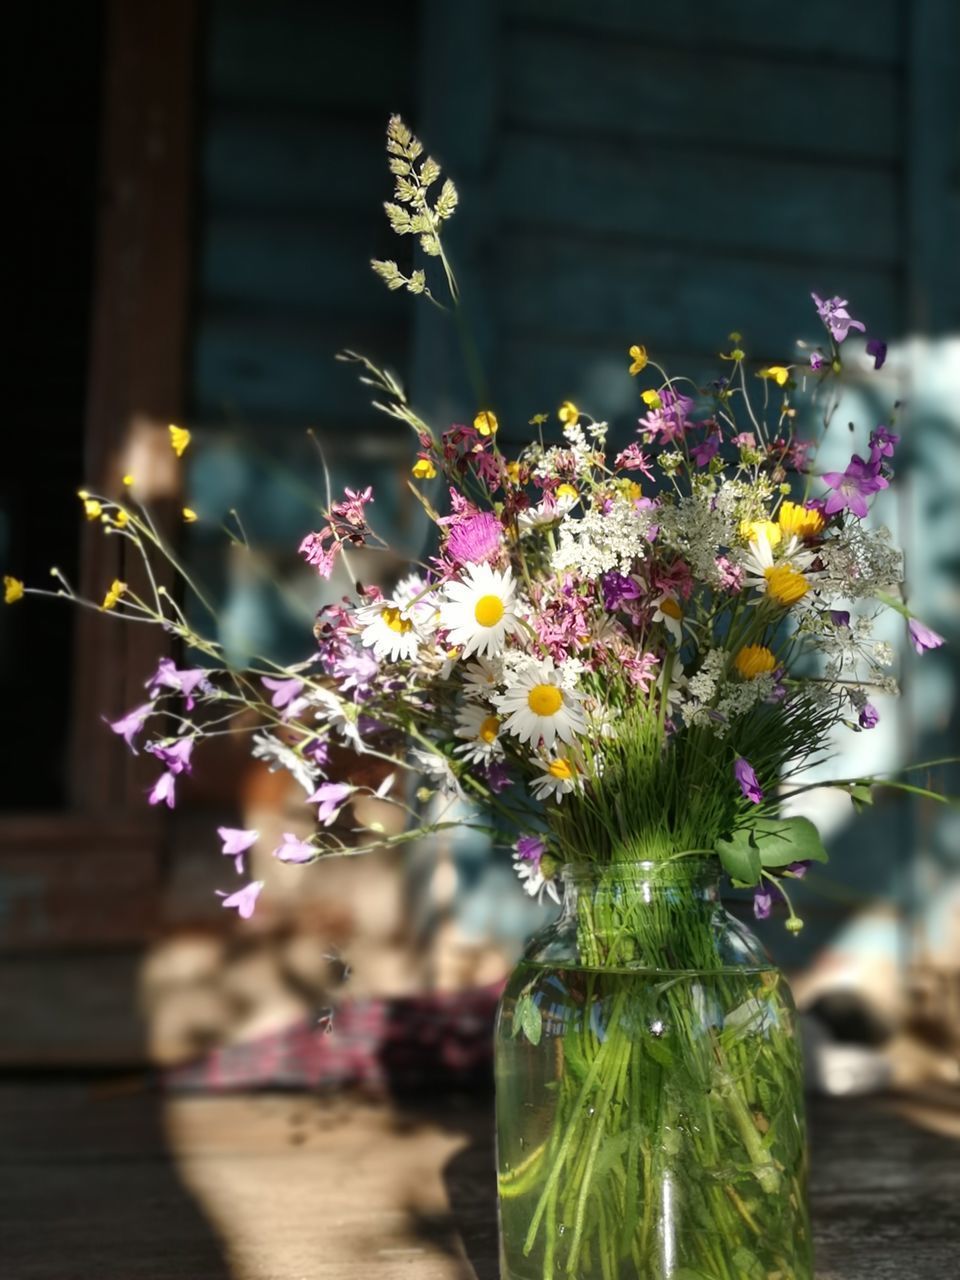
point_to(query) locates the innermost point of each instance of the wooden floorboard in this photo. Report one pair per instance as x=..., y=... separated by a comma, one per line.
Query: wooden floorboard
x=115, y=1182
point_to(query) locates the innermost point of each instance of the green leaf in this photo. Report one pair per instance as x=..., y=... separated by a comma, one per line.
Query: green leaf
x=740, y=856
x=861, y=794
x=781, y=841
x=528, y=1018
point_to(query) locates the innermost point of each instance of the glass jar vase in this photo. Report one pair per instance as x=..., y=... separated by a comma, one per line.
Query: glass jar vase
x=650, y=1117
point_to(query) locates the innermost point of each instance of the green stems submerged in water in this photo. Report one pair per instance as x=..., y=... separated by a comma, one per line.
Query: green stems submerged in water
x=650, y=1125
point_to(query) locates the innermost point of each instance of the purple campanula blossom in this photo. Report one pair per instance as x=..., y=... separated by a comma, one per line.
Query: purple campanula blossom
x=877, y=348
x=185, y=682
x=236, y=842
x=922, y=637
x=497, y=776
x=869, y=716
x=531, y=848
x=834, y=314
x=284, y=691
x=129, y=726
x=703, y=453
x=817, y=360
x=294, y=850
x=762, y=902
x=330, y=797
x=163, y=791
x=475, y=539
x=618, y=587
x=244, y=901
x=840, y=617
x=175, y=757
x=671, y=420
x=747, y=780
x=852, y=487
x=883, y=441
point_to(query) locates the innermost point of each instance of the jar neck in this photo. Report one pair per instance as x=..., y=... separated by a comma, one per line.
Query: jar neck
x=691, y=879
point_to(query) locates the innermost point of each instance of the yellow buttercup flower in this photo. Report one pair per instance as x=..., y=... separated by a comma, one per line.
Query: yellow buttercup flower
x=804, y=522
x=121, y=518
x=750, y=530
x=423, y=469
x=538, y=419
x=777, y=373
x=638, y=356
x=513, y=472
x=92, y=508
x=189, y=515
x=179, y=439
x=486, y=422
x=754, y=660
x=13, y=590
x=651, y=399
x=568, y=413
x=567, y=491
x=117, y=589
x=785, y=585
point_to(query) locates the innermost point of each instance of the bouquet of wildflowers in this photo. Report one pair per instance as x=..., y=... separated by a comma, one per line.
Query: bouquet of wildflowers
x=615, y=654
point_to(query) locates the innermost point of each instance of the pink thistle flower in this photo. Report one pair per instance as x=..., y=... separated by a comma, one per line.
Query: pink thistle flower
x=475, y=539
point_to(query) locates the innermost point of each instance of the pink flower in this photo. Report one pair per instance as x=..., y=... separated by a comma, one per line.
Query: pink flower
x=177, y=757
x=315, y=553
x=330, y=797
x=349, y=520
x=836, y=317
x=731, y=575
x=634, y=459
x=284, y=691
x=129, y=726
x=747, y=780
x=244, y=901
x=294, y=850
x=236, y=842
x=475, y=539
x=922, y=637
x=185, y=682
x=163, y=791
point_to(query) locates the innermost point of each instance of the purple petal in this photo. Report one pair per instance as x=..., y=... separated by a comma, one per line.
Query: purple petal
x=923, y=637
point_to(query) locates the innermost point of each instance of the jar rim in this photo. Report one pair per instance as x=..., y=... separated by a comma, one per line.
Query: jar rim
x=690, y=867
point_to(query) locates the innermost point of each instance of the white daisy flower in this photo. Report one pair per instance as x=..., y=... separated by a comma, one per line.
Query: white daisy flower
x=559, y=777
x=419, y=601
x=668, y=611
x=479, y=611
x=549, y=510
x=481, y=677
x=389, y=629
x=539, y=709
x=481, y=729
x=781, y=577
x=532, y=879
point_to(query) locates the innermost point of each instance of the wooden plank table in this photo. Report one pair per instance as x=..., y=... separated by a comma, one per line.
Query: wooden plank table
x=115, y=1182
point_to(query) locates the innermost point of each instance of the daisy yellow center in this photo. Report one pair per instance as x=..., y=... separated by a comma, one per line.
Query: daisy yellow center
x=671, y=609
x=801, y=521
x=754, y=660
x=396, y=621
x=544, y=700
x=561, y=769
x=488, y=611
x=785, y=585
x=489, y=729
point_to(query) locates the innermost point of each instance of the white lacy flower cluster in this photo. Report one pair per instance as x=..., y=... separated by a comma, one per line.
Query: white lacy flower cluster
x=859, y=562
x=714, y=702
x=698, y=532
x=600, y=541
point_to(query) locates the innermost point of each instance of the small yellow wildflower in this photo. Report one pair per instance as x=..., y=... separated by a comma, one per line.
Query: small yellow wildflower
x=752, y=529
x=486, y=422
x=121, y=518
x=785, y=585
x=651, y=399
x=754, y=660
x=632, y=490
x=12, y=590
x=128, y=481
x=179, y=439
x=735, y=355
x=777, y=373
x=568, y=413
x=189, y=515
x=538, y=419
x=92, y=508
x=567, y=491
x=638, y=356
x=513, y=472
x=805, y=522
x=117, y=588
x=423, y=469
